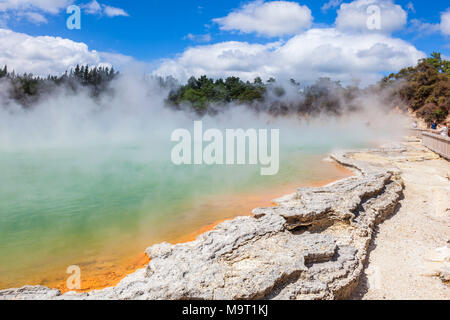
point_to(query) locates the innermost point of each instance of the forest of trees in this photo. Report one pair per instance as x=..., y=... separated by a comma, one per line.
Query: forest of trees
x=423, y=88
x=202, y=92
x=26, y=89
x=206, y=95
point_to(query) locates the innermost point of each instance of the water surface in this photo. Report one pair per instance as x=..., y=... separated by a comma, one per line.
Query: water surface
x=100, y=207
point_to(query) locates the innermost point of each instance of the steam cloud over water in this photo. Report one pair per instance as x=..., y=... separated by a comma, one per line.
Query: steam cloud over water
x=136, y=113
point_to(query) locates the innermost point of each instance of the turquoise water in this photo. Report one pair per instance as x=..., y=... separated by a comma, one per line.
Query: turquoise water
x=77, y=206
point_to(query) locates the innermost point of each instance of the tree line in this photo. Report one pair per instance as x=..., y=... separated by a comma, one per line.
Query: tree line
x=423, y=88
x=26, y=88
x=206, y=95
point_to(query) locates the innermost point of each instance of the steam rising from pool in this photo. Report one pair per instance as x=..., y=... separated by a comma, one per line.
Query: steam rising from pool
x=136, y=114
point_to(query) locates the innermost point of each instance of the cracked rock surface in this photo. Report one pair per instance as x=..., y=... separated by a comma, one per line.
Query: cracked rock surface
x=313, y=245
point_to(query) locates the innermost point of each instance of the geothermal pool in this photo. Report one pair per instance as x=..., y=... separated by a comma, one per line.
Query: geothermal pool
x=100, y=207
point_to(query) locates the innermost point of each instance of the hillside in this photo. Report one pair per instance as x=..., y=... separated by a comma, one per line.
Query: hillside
x=425, y=88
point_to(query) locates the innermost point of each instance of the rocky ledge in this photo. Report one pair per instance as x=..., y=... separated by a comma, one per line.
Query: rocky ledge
x=313, y=245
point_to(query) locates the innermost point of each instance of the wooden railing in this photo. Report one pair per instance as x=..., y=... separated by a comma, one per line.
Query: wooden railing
x=437, y=143
x=416, y=132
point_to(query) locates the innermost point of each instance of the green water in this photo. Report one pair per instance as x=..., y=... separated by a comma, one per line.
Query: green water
x=60, y=207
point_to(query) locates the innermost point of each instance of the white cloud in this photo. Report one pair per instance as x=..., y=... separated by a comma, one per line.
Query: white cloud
x=50, y=6
x=94, y=7
x=114, y=12
x=445, y=22
x=198, y=37
x=305, y=57
x=49, y=55
x=354, y=16
x=118, y=60
x=222, y=59
x=31, y=10
x=424, y=28
x=276, y=18
x=35, y=10
x=331, y=4
x=33, y=17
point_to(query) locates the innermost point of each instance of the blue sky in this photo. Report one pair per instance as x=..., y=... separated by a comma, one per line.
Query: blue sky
x=155, y=30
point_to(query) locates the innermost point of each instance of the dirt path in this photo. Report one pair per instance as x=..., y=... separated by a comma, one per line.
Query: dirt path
x=404, y=262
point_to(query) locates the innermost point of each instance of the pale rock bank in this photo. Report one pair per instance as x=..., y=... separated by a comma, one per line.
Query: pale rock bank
x=410, y=254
